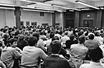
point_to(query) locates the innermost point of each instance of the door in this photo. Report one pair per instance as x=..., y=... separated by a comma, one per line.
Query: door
x=88, y=23
x=69, y=23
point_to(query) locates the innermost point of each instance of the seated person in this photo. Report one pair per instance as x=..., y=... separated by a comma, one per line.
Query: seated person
x=95, y=56
x=32, y=55
x=71, y=41
x=78, y=51
x=10, y=54
x=62, y=50
x=54, y=60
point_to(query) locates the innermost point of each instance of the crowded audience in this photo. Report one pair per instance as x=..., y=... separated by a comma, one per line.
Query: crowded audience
x=49, y=47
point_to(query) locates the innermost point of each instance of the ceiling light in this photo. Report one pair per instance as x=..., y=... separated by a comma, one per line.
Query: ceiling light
x=38, y=10
x=64, y=7
x=86, y=4
x=101, y=8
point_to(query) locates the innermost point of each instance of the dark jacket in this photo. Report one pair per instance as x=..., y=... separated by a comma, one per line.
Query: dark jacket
x=21, y=44
x=70, y=42
x=54, y=61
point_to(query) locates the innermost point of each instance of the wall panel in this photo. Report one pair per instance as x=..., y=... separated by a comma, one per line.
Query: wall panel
x=2, y=18
x=10, y=18
x=59, y=19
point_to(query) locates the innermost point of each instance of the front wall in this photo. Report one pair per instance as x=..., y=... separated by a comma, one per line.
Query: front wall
x=2, y=18
x=59, y=19
x=10, y=18
x=32, y=16
x=84, y=16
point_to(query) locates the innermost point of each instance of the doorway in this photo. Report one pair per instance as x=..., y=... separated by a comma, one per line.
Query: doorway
x=69, y=23
x=88, y=23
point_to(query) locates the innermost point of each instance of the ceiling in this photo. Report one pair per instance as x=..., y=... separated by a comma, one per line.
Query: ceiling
x=59, y=5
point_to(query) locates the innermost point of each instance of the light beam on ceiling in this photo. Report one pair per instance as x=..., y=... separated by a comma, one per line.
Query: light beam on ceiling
x=80, y=2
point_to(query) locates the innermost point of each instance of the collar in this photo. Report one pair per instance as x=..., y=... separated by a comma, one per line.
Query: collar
x=95, y=63
x=55, y=55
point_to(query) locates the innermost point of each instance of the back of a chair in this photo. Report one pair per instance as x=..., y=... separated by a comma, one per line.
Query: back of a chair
x=24, y=66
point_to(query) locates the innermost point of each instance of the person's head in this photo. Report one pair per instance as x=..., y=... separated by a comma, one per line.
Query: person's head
x=91, y=36
x=97, y=33
x=21, y=37
x=51, y=35
x=12, y=42
x=36, y=34
x=57, y=32
x=96, y=54
x=80, y=33
x=72, y=37
x=66, y=33
x=32, y=41
x=55, y=38
x=5, y=36
x=55, y=47
x=81, y=39
x=41, y=33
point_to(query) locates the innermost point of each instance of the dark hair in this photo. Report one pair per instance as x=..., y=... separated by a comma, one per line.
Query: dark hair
x=91, y=36
x=72, y=37
x=81, y=39
x=51, y=35
x=55, y=47
x=80, y=33
x=21, y=37
x=86, y=33
x=12, y=40
x=96, y=54
x=36, y=34
x=66, y=33
x=55, y=38
x=32, y=41
x=1, y=43
x=97, y=34
x=42, y=33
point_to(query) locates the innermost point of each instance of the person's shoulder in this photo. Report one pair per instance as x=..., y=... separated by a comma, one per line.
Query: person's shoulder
x=84, y=66
x=38, y=49
x=85, y=48
x=11, y=49
x=88, y=41
x=25, y=47
x=73, y=45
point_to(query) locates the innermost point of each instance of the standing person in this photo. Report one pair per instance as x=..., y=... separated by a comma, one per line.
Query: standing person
x=95, y=56
x=54, y=60
x=32, y=55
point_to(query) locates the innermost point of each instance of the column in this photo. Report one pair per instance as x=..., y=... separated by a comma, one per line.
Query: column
x=53, y=19
x=62, y=21
x=77, y=24
x=17, y=13
x=99, y=18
